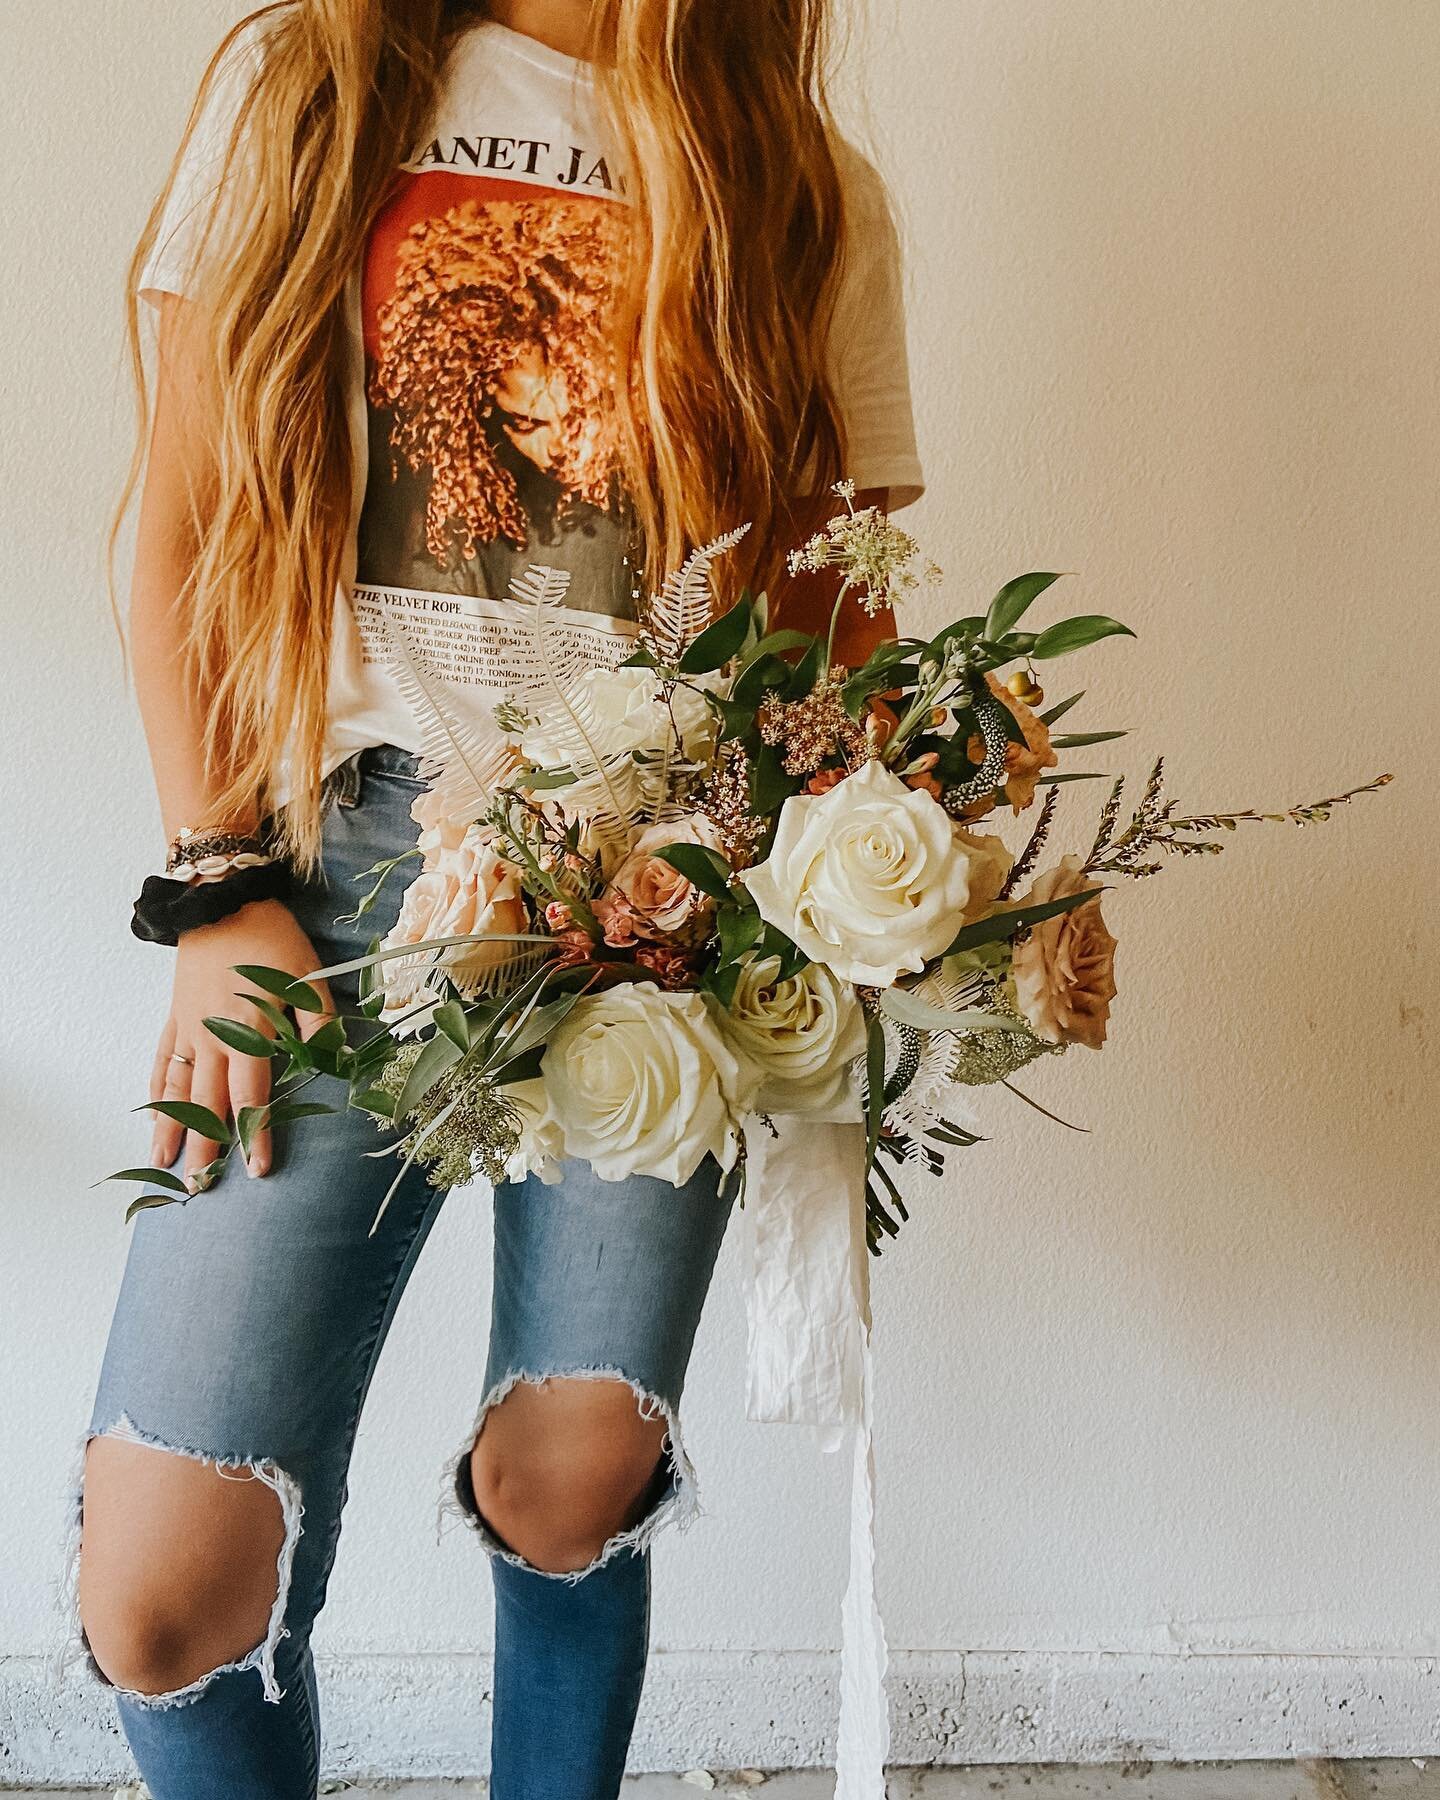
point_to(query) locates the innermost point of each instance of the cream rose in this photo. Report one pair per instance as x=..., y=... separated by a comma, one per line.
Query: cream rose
x=540, y=1150
x=869, y=878
x=1064, y=968
x=802, y=1034
x=626, y=713
x=470, y=889
x=642, y=1083
x=648, y=897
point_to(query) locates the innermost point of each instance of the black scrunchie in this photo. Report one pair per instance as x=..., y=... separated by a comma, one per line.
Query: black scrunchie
x=166, y=908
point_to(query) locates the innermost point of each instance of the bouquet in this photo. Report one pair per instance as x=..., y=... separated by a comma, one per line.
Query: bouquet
x=659, y=904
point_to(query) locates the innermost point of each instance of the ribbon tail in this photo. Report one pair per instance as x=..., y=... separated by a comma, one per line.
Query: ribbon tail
x=808, y=1313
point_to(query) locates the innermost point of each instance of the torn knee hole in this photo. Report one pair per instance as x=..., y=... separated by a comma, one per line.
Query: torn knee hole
x=177, y=1579
x=563, y=1471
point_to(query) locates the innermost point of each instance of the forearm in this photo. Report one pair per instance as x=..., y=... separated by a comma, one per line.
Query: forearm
x=178, y=479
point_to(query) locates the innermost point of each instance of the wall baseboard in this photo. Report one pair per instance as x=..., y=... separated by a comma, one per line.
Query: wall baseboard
x=418, y=1716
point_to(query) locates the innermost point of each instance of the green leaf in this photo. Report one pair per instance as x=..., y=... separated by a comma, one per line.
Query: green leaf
x=899, y=1004
x=284, y=1030
x=874, y=1088
x=1004, y=925
x=161, y=1178
x=718, y=642
x=1059, y=711
x=286, y=988
x=147, y=1202
x=1075, y=775
x=450, y=1018
x=778, y=642
x=738, y=928
x=1011, y=603
x=432, y=1062
x=540, y=781
x=765, y=672
x=1077, y=740
x=248, y=1121
x=640, y=659
x=193, y=1117
x=702, y=867
x=374, y=1100
x=723, y=982
x=770, y=783
x=283, y=1112
x=244, y=1038
x=1075, y=634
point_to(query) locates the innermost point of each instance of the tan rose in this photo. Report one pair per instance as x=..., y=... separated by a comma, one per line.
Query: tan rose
x=471, y=889
x=1065, y=968
x=990, y=864
x=1024, y=763
x=647, y=896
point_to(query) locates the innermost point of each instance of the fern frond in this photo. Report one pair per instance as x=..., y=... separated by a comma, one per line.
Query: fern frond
x=465, y=763
x=685, y=604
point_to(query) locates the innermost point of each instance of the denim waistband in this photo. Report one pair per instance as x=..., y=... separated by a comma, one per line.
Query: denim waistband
x=389, y=759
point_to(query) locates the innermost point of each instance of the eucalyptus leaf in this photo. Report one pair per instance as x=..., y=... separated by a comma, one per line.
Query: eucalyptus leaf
x=1058, y=711
x=899, y=1004
x=244, y=1038
x=193, y=1117
x=718, y=642
x=451, y=1019
x=1000, y=926
x=1074, y=775
x=1076, y=633
x=1013, y=600
x=286, y=988
x=702, y=867
x=161, y=1178
x=1078, y=740
x=438, y=1056
x=427, y=944
x=147, y=1202
x=874, y=1088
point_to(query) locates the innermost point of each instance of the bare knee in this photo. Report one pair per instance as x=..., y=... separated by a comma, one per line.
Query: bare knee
x=178, y=1565
x=559, y=1468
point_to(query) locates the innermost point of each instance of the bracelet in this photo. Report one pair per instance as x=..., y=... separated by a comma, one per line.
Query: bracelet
x=211, y=867
x=167, y=909
x=213, y=852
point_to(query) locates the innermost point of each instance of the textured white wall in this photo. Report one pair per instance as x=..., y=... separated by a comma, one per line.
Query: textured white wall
x=1166, y=1388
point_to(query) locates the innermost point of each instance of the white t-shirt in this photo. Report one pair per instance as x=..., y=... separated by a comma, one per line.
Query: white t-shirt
x=477, y=380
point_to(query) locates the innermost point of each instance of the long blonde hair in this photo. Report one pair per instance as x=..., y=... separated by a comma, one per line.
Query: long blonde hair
x=718, y=114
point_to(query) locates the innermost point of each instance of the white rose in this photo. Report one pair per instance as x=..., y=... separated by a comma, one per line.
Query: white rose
x=642, y=1083
x=625, y=713
x=869, y=878
x=802, y=1034
x=540, y=1150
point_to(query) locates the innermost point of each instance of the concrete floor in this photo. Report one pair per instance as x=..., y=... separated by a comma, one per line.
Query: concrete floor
x=1319, y=1780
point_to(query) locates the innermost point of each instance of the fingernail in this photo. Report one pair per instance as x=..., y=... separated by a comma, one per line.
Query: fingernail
x=254, y=1167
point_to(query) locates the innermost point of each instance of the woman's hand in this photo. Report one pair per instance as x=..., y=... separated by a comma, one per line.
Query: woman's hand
x=191, y=1063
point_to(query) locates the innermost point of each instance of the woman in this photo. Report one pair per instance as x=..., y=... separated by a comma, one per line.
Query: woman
x=404, y=253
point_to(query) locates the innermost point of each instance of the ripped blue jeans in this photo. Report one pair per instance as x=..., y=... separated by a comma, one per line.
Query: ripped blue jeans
x=248, y=1327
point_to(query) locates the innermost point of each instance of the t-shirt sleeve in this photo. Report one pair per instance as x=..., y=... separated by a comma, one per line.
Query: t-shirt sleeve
x=868, y=362
x=171, y=266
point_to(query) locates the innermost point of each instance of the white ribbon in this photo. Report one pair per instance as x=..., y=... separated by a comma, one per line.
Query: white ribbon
x=808, y=1318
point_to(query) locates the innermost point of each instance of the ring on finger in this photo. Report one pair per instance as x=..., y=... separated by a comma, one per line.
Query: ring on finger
x=189, y=1061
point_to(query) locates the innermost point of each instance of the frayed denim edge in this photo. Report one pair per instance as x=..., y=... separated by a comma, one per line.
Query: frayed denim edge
x=680, y=1507
x=262, y=1658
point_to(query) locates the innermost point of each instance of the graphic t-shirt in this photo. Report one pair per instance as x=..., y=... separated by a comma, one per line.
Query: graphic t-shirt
x=483, y=441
